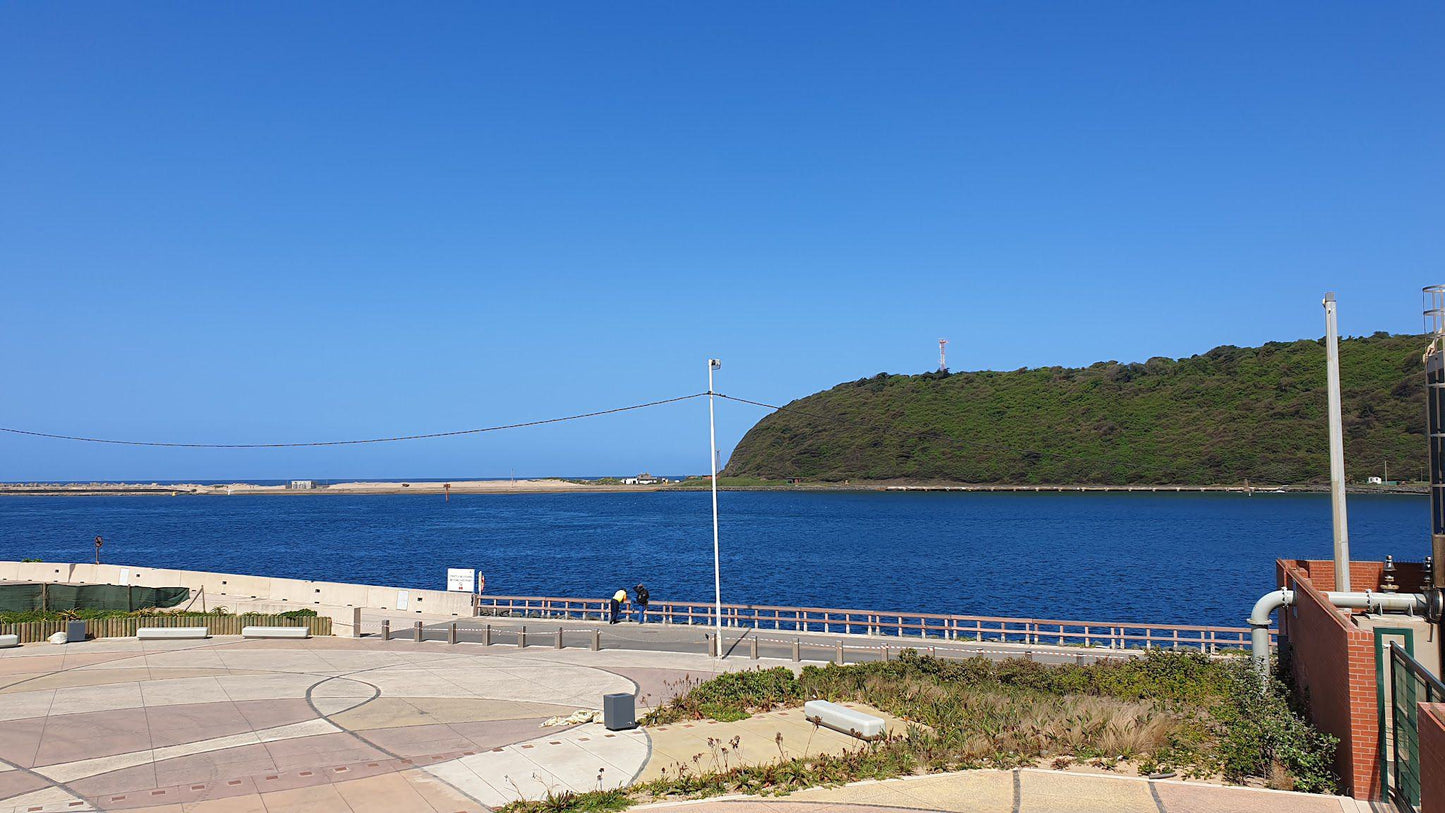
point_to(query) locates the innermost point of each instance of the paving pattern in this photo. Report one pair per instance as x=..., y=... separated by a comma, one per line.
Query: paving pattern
x=232, y=725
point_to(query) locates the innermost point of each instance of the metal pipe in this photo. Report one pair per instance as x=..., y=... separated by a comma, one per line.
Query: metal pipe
x=1337, y=446
x=1368, y=601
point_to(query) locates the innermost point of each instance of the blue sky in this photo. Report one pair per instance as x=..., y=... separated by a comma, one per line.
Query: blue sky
x=272, y=221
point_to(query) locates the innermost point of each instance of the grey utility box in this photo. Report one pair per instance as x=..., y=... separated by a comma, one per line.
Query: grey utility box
x=74, y=631
x=618, y=711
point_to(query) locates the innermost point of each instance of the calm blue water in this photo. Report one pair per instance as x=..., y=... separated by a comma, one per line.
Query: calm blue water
x=1180, y=558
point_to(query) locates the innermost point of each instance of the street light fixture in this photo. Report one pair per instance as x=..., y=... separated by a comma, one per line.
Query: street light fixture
x=714, y=364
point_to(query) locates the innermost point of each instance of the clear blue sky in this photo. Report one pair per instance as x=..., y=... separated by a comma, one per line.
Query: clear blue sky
x=283, y=221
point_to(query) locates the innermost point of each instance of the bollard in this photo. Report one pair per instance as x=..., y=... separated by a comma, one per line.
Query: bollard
x=753, y=648
x=559, y=637
x=386, y=629
x=707, y=641
x=522, y=638
x=886, y=653
x=839, y=658
x=1028, y=654
x=932, y=651
x=796, y=654
x=487, y=635
x=452, y=633
x=355, y=622
x=416, y=632
x=596, y=640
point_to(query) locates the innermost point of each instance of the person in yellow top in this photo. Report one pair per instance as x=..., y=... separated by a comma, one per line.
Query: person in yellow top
x=616, y=605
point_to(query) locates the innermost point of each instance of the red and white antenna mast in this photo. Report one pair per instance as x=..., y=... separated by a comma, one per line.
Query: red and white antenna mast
x=942, y=357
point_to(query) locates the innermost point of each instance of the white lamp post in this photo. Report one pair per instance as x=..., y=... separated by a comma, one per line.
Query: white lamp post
x=714, y=364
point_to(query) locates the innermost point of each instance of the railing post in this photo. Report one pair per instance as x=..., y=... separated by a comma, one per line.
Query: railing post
x=386, y=629
x=416, y=632
x=452, y=633
x=559, y=637
x=596, y=640
x=796, y=656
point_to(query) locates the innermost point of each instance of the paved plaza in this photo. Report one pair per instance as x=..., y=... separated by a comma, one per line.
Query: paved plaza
x=226, y=725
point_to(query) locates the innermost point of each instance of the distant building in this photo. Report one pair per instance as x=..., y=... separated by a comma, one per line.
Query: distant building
x=1375, y=481
x=643, y=479
x=301, y=485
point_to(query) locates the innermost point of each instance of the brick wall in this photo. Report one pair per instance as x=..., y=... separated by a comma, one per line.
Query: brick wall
x=1334, y=667
x=1432, y=758
x=1363, y=575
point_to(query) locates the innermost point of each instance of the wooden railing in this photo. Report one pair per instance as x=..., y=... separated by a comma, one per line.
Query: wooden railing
x=926, y=626
x=125, y=626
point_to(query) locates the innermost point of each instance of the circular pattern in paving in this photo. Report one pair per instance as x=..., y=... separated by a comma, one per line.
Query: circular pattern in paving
x=231, y=725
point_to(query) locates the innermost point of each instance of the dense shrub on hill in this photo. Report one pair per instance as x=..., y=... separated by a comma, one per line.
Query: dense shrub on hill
x=1226, y=416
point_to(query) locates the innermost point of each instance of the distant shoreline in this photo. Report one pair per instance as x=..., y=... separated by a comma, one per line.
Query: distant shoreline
x=560, y=486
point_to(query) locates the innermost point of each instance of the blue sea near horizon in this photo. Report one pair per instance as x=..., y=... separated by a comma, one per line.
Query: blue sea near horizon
x=1164, y=558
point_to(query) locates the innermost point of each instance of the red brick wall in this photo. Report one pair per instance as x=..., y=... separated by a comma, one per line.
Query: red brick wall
x=1432, y=758
x=1334, y=666
x=1363, y=575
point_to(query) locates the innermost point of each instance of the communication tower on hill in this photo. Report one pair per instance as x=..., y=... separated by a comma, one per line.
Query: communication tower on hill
x=942, y=357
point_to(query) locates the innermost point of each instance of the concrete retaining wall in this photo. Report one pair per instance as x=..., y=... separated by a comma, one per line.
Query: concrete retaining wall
x=275, y=592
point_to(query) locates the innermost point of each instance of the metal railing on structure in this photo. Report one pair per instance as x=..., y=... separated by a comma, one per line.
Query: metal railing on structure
x=1410, y=685
x=925, y=626
x=747, y=643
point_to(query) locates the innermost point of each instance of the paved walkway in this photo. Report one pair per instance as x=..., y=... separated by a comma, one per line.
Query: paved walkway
x=331, y=724
x=816, y=647
x=1027, y=791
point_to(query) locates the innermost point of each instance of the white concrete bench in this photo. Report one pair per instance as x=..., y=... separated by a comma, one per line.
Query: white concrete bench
x=275, y=632
x=7, y=641
x=166, y=633
x=841, y=718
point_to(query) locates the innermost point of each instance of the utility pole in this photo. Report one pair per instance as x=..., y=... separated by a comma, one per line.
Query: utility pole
x=1337, y=446
x=714, y=364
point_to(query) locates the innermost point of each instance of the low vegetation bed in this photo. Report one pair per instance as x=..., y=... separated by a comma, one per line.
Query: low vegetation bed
x=1164, y=712
x=29, y=616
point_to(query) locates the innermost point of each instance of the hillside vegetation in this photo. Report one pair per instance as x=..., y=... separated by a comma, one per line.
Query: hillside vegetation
x=1226, y=416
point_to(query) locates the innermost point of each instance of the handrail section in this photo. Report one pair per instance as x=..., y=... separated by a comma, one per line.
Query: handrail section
x=1410, y=685
x=941, y=626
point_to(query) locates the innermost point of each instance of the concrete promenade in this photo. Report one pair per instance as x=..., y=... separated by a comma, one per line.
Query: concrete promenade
x=813, y=647
x=227, y=725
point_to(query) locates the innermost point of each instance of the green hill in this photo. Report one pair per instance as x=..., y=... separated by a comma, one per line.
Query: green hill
x=1231, y=414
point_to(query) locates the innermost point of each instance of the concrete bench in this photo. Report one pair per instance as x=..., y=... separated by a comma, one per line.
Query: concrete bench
x=7, y=641
x=275, y=632
x=841, y=718
x=166, y=633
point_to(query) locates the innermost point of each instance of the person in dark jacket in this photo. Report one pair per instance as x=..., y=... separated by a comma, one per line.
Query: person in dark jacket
x=642, y=599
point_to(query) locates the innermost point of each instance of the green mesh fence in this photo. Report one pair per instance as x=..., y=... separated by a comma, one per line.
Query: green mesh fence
x=20, y=598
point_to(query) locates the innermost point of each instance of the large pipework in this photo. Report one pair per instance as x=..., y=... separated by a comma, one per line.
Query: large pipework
x=1368, y=601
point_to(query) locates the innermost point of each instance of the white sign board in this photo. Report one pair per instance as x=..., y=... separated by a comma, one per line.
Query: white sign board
x=461, y=580
x=401, y=599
